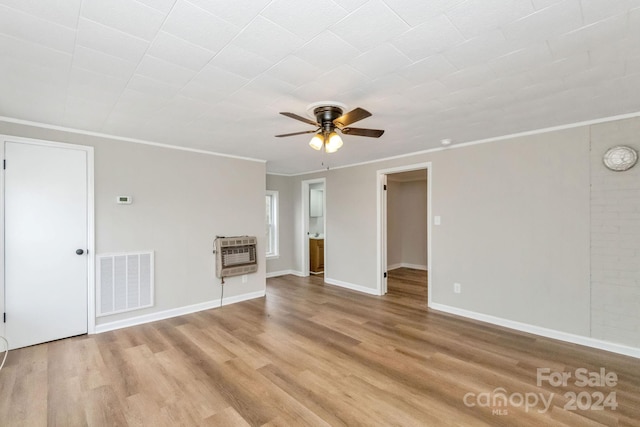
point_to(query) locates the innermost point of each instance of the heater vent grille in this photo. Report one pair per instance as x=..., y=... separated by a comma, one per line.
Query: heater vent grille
x=236, y=255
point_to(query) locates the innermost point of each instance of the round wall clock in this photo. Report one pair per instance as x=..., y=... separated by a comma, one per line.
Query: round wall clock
x=620, y=158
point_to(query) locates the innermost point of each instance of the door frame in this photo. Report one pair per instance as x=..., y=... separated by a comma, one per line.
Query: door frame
x=91, y=305
x=304, y=242
x=381, y=180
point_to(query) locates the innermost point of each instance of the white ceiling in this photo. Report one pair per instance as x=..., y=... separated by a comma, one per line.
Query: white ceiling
x=213, y=74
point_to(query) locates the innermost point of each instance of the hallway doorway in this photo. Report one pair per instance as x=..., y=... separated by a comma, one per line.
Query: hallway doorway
x=404, y=230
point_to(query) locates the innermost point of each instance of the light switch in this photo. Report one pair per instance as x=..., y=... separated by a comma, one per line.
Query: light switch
x=436, y=220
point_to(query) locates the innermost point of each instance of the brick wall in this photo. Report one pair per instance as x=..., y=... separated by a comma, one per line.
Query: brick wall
x=615, y=237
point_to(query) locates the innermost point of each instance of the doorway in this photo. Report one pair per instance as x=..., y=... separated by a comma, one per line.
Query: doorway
x=47, y=259
x=314, y=226
x=404, y=225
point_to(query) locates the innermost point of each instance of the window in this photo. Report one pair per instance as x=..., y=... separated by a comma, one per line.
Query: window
x=272, y=223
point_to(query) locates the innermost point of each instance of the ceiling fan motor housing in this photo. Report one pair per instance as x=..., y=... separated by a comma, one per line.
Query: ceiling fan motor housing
x=325, y=115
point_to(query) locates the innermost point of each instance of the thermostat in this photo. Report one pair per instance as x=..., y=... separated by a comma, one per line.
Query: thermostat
x=124, y=200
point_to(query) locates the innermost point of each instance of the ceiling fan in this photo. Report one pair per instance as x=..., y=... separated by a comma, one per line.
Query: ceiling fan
x=329, y=117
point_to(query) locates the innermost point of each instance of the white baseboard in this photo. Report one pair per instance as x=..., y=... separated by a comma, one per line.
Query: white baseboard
x=351, y=286
x=537, y=330
x=407, y=265
x=174, y=312
x=284, y=273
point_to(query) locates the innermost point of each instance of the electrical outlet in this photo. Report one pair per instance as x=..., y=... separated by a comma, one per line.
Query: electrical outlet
x=245, y=278
x=457, y=288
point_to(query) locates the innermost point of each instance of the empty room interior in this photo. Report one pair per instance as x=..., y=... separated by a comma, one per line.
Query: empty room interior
x=339, y=212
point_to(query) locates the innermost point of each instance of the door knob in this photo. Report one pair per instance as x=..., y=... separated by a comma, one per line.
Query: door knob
x=79, y=251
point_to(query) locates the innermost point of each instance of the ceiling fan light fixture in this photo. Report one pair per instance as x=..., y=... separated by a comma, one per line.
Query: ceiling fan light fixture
x=330, y=117
x=317, y=141
x=334, y=142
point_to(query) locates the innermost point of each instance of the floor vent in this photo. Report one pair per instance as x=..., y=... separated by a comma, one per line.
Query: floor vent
x=125, y=282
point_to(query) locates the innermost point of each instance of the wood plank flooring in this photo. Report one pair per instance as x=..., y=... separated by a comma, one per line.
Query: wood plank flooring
x=310, y=354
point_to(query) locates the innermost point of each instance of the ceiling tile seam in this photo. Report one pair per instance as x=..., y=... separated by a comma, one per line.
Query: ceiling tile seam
x=111, y=28
x=151, y=7
x=40, y=45
x=40, y=17
x=599, y=22
x=329, y=30
x=240, y=31
x=162, y=60
x=582, y=12
x=349, y=14
x=628, y=22
x=249, y=81
x=397, y=15
x=73, y=55
x=346, y=12
x=522, y=49
x=20, y=39
x=393, y=41
x=110, y=56
x=149, y=44
x=486, y=59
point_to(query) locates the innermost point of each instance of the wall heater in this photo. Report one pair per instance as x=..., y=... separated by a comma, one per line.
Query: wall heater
x=235, y=255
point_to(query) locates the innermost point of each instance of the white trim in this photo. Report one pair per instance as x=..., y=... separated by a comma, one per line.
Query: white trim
x=91, y=261
x=381, y=218
x=382, y=241
x=353, y=287
x=407, y=265
x=174, y=312
x=123, y=138
x=476, y=142
x=537, y=330
x=284, y=273
x=91, y=244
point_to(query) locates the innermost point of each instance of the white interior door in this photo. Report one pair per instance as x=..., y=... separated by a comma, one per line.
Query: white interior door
x=45, y=205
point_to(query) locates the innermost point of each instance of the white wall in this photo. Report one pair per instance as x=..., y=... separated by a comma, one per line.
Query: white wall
x=514, y=233
x=394, y=224
x=182, y=200
x=286, y=223
x=407, y=223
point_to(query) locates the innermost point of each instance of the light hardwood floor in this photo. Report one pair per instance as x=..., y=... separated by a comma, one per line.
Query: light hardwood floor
x=307, y=354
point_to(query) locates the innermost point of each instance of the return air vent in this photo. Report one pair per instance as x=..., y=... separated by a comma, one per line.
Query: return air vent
x=125, y=282
x=235, y=256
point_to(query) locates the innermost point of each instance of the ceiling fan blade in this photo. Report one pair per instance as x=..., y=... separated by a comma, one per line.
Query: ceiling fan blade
x=302, y=119
x=297, y=133
x=373, y=133
x=351, y=117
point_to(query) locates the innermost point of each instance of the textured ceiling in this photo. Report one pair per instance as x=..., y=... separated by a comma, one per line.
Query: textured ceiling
x=213, y=74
